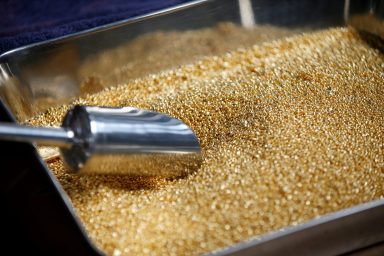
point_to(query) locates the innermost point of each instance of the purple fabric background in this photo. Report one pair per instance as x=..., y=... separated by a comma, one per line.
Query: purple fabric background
x=24, y=22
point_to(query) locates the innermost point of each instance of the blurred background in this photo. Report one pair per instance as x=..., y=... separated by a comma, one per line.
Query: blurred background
x=25, y=22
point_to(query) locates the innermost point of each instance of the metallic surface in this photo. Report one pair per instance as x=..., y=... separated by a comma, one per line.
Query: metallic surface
x=366, y=16
x=129, y=141
x=40, y=135
x=49, y=70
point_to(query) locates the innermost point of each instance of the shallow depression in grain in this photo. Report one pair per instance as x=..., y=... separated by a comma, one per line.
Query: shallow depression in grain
x=290, y=130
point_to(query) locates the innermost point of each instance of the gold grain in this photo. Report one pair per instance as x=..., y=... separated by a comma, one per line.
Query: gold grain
x=291, y=130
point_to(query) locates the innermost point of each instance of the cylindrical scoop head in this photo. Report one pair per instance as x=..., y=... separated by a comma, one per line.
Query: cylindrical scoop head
x=129, y=141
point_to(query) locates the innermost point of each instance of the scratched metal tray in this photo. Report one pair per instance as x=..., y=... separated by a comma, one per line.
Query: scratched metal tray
x=50, y=70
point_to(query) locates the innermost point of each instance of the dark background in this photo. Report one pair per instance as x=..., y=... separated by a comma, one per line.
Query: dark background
x=23, y=22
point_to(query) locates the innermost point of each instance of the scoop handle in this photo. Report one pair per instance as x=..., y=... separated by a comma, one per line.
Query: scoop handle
x=47, y=136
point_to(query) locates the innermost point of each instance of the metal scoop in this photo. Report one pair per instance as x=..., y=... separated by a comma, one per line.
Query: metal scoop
x=117, y=140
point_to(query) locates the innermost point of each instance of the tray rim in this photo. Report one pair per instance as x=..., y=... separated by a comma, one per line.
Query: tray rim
x=304, y=226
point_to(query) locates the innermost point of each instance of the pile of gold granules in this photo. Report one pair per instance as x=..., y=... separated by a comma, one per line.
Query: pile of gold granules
x=157, y=51
x=291, y=130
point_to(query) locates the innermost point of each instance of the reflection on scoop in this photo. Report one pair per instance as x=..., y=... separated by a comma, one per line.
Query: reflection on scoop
x=117, y=141
x=129, y=141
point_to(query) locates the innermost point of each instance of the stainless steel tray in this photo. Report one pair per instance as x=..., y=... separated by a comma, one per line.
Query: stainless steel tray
x=30, y=73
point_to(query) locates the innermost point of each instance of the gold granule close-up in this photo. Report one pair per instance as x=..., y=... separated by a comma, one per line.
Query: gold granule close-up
x=290, y=130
